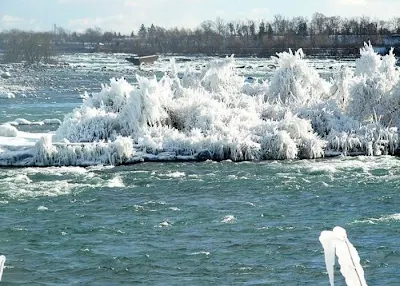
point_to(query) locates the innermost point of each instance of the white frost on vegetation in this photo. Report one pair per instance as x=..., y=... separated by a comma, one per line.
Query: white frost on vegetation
x=215, y=114
x=206, y=115
x=117, y=152
x=294, y=82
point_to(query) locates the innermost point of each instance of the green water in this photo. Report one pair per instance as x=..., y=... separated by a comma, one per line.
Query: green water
x=197, y=223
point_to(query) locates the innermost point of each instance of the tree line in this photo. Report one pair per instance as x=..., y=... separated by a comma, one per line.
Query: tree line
x=30, y=47
x=246, y=37
x=241, y=37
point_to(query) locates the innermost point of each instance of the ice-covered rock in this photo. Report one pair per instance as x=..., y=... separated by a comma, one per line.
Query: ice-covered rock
x=52, y=121
x=4, y=94
x=7, y=130
x=5, y=75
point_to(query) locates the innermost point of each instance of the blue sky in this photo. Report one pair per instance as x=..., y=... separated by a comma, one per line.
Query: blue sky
x=127, y=15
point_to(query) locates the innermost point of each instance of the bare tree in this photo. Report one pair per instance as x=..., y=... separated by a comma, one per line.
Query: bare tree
x=30, y=47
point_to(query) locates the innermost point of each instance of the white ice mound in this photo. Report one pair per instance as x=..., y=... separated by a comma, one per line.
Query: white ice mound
x=212, y=119
x=7, y=130
x=214, y=114
x=5, y=75
x=336, y=242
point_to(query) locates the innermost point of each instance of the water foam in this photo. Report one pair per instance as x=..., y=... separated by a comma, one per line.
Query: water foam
x=385, y=218
x=23, y=183
x=116, y=182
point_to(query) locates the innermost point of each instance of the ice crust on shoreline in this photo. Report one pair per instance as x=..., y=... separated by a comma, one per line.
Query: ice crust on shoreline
x=215, y=114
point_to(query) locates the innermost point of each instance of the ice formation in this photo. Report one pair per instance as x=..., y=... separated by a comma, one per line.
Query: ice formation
x=7, y=130
x=215, y=114
x=9, y=95
x=336, y=242
x=5, y=75
x=2, y=261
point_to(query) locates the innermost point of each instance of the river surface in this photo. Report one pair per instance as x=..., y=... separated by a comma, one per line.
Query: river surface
x=209, y=223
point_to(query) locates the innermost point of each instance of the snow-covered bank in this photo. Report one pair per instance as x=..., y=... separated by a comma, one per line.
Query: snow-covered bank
x=215, y=114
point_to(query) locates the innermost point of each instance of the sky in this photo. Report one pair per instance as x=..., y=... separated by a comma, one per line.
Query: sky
x=127, y=15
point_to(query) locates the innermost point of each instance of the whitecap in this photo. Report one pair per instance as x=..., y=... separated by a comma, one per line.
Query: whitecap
x=175, y=175
x=165, y=223
x=206, y=253
x=116, y=182
x=228, y=219
x=385, y=218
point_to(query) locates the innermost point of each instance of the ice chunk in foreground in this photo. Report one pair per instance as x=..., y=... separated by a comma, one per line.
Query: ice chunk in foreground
x=2, y=261
x=349, y=260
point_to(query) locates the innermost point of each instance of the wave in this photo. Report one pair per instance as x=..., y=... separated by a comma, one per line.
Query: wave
x=214, y=114
x=23, y=121
x=386, y=218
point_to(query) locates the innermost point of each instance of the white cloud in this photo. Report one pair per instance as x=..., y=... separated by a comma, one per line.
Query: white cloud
x=15, y=22
x=66, y=2
x=132, y=13
x=380, y=9
x=353, y=2
x=9, y=20
x=119, y=22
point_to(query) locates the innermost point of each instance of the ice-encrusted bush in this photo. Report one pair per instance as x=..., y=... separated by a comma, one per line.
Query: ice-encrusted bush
x=112, y=98
x=214, y=114
x=328, y=116
x=369, y=63
x=45, y=152
x=369, y=140
x=221, y=76
x=117, y=152
x=294, y=82
x=118, y=109
x=360, y=105
x=372, y=92
x=340, y=93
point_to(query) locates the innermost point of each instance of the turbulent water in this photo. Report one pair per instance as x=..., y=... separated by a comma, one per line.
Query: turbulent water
x=195, y=223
